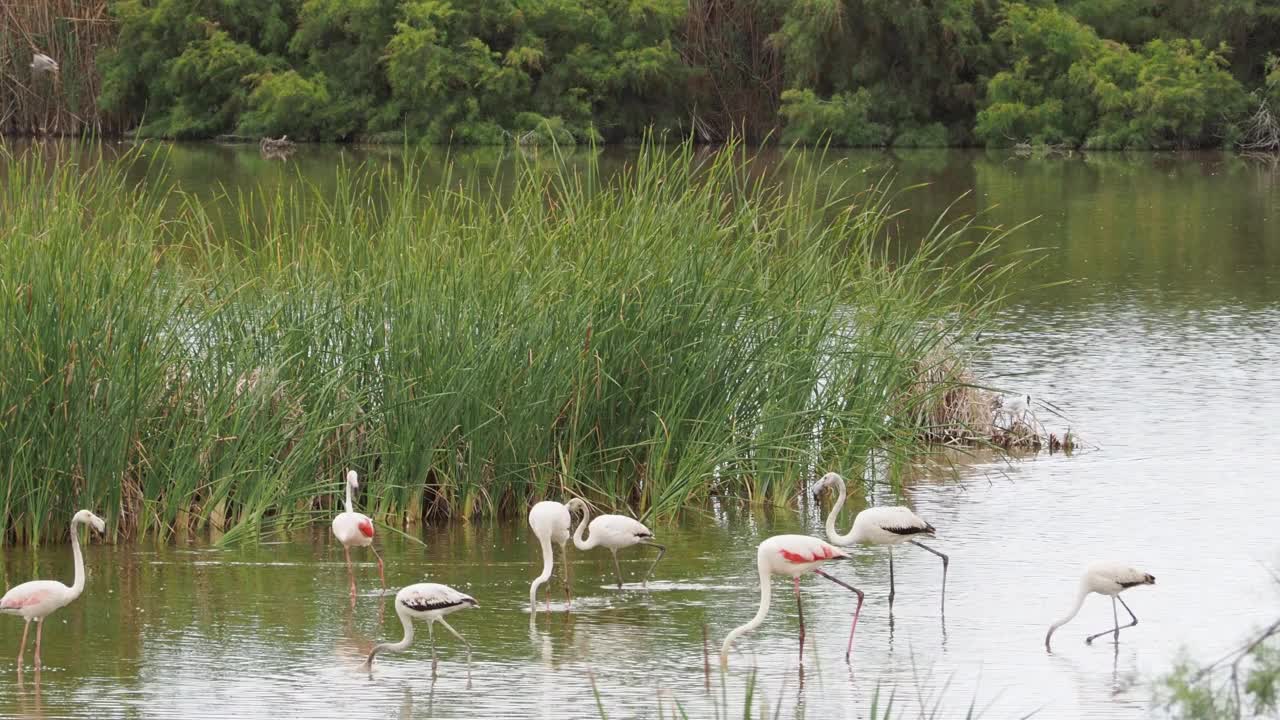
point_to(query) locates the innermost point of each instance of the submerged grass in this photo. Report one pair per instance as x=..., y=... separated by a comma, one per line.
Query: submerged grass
x=691, y=326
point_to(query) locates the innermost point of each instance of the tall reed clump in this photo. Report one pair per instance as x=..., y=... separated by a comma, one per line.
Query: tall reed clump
x=691, y=326
x=64, y=103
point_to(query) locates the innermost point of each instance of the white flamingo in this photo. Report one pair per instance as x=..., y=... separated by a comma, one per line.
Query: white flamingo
x=880, y=526
x=792, y=555
x=36, y=599
x=354, y=529
x=430, y=602
x=1105, y=578
x=614, y=532
x=41, y=63
x=550, y=522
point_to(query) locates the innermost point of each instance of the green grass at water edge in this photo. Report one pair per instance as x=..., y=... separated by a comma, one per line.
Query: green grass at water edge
x=690, y=327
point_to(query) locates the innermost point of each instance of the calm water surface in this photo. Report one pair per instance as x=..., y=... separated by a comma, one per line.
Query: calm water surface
x=1161, y=352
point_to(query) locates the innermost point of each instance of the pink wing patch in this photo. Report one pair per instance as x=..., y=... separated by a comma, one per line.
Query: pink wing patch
x=21, y=602
x=800, y=558
x=366, y=528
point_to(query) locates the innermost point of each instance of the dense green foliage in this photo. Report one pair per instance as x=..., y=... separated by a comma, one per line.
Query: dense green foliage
x=1099, y=73
x=1067, y=85
x=1243, y=684
x=682, y=329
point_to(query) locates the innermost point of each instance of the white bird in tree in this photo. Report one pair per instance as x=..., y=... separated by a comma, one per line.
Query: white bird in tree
x=792, y=555
x=1105, y=578
x=880, y=526
x=36, y=599
x=614, y=532
x=355, y=530
x=430, y=602
x=41, y=63
x=550, y=522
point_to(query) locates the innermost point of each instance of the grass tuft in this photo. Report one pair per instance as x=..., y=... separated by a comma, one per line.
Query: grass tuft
x=692, y=326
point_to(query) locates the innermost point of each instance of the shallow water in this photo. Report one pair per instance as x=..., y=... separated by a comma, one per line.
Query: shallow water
x=1161, y=353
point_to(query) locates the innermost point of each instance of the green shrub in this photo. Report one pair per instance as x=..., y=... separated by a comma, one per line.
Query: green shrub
x=933, y=135
x=845, y=119
x=287, y=103
x=1068, y=86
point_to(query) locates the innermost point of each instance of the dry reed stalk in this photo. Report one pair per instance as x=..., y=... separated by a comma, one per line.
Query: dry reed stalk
x=64, y=103
x=956, y=411
x=738, y=95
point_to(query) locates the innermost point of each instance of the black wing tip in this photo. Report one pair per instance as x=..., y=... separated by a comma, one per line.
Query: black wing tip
x=926, y=530
x=431, y=607
x=1147, y=579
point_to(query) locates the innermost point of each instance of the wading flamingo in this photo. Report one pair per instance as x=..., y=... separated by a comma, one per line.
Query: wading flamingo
x=614, y=532
x=34, y=600
x=1105, y=578
x=880, y=526
x=792, y=555
x=354, y=529
x=430, y=602
x=550, y=522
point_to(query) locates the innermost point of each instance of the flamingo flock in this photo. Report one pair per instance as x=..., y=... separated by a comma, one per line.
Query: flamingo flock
x=791, y=556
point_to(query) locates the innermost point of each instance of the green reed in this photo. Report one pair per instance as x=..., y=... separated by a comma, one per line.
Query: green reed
x=695, y=325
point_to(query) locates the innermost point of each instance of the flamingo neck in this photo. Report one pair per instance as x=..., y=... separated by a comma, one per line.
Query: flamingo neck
x=545, y=542
x=578, y=535
x=765, y=593
x=1080, y=596
x=407, y=622
x=77, y=586
x=832, y=534
x=348, y=503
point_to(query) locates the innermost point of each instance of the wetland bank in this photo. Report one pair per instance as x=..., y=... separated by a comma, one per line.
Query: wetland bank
x=411, y=360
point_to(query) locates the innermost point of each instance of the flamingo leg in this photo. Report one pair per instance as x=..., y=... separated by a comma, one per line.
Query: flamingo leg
x=22, y=649
x=892, y=589
x=616, y=568
x=381, y=577
x=39, y=630
x=458, y=635
x=351, y=575
x=1116, y=630
x=945, y=562
x=662, y=550
x=568, y=583
x=857, y=611
x=800, y=610
x=431, y=633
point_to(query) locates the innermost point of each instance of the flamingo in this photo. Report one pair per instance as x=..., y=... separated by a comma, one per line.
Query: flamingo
x=614, y=532
x=880, y=526
x=41, y=63
x=1105, y=578
x=430, y=602
x=550, y=522
x=36, y=599
x=355, y=529
x=792, y=555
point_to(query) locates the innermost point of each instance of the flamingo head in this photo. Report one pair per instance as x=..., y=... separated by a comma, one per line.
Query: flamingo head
x=84, y=516
x=828, y=480
x=353, y=479
x=577, y=505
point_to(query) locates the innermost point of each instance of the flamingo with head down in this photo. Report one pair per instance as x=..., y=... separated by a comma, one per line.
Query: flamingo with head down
x=792, y=555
